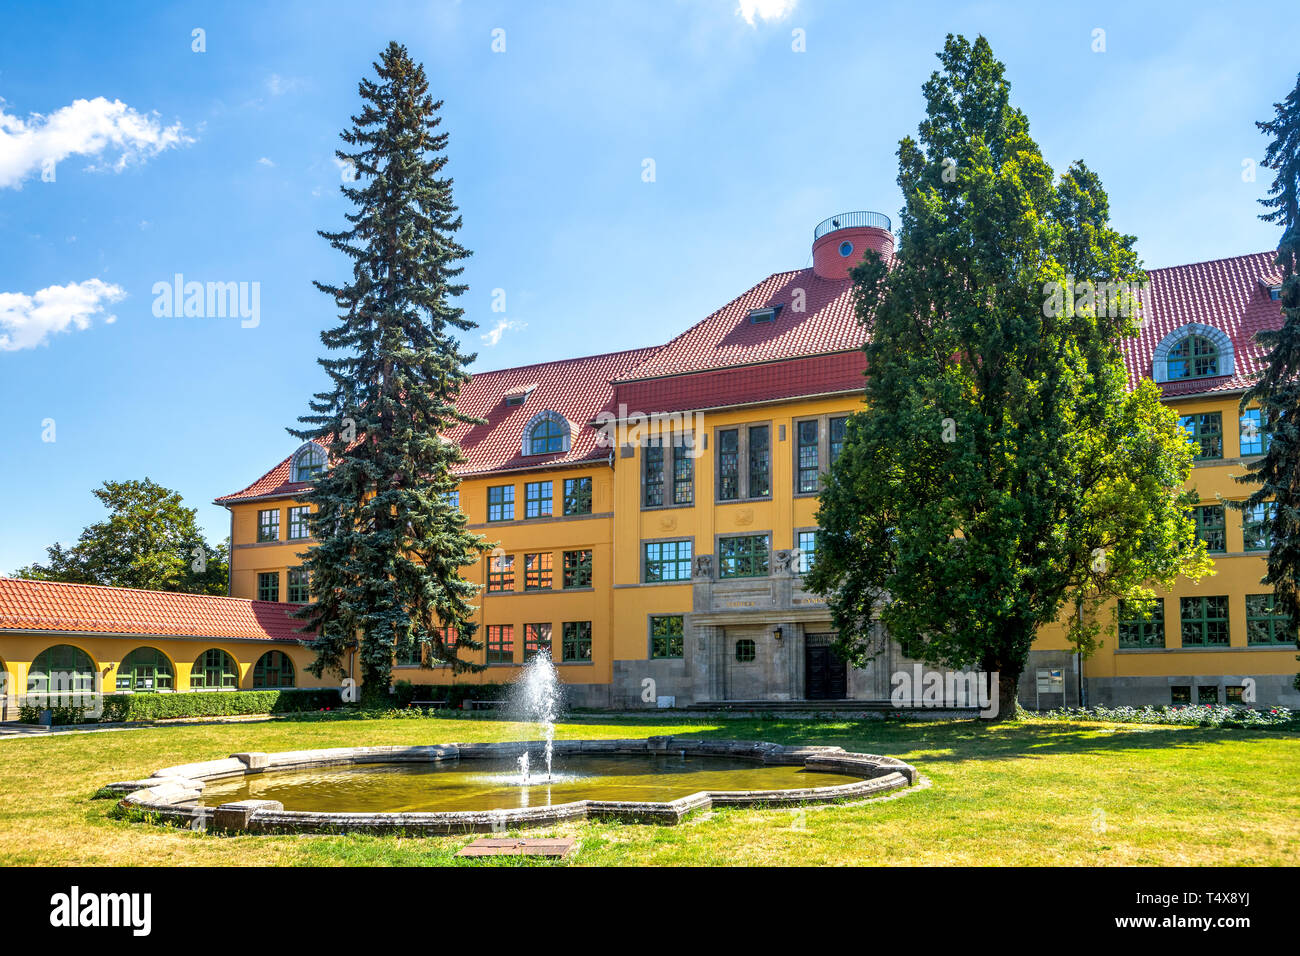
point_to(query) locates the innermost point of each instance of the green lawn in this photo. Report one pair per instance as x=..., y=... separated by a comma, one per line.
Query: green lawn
x=1030, y=792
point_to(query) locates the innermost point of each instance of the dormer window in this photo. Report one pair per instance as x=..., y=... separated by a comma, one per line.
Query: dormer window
x=547, y=434
x=1193, y=351
x=760, y=316
x=517, y=396
x=1275, y=292
x=308, y=462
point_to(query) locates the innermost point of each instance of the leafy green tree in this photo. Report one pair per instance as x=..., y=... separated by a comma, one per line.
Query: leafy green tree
x=150, y=540
x=1277, y=392
x=387, y=570
x=1001, y=476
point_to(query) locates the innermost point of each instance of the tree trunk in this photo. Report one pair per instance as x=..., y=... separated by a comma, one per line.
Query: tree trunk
x=1007, y=685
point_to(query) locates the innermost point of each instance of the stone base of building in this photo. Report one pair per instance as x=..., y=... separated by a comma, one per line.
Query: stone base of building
x=1269, y=689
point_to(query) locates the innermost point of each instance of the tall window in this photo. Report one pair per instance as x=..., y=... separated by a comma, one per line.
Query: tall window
x=501, y=573
x=809, y=455
x=744, y=556
x=538, y=496
x=61, y=669
x=652, y=462
x=273, y=669
x=268, y=525
x=577, y=496
x=501, y=644
x=577, y=569
x=546, y=438
x=1264, y=623
x=268, y=586
x=501, y=503
x=683, y=472
x=1206, y=432
x=1254, y=433
x=145, y=668
x=760, y=461
x=214, y=670
x=838, y=428
x=537, y=640
x=729, y=464
x=1204, y=621
x=453, y=499
x=576, y=644
x=667, y=561
x=308, y=462
x=1257, y=527
x=299, y=586
x=537, y=571
x=298, y=522
x=1210, y=528
x=1142, y=623
x=1193, y=357
x=806, y=542
x=666, y=636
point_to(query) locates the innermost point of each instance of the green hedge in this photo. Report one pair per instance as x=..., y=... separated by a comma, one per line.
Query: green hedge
x=454, y=694
x=149, y=706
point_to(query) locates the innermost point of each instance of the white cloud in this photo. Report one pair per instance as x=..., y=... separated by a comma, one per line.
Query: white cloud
x=85, y=128
x=493, y=335
x=26, y=321
x=278, y=85
x=764, y=9
x=265, y=162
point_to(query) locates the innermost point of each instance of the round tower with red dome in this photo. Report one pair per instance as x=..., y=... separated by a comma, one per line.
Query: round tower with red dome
x=840, y=241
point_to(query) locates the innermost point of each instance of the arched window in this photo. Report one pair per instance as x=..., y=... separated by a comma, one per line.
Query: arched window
x=308, y=462
x=274, y=669
x=213, y=670
x=145, y=668
x=1194, y=357
x=1192, y=351
x=546, y=434
x=61, y=669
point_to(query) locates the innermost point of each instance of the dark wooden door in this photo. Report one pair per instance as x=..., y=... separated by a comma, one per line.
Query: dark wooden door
x=826, y=676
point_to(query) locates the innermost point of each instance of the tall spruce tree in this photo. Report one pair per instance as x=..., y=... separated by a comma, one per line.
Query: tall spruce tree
x=392, y=544
x=1277, y=392
x=1001, y=476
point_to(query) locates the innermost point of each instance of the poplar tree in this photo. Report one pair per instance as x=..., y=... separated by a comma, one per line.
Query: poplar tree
x=1277, y=391
x=1001, y=476
x=392, y=538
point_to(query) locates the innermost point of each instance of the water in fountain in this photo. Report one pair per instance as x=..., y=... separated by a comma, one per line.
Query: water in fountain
x=537, y=697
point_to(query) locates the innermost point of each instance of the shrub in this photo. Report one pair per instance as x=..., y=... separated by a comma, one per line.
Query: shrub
x=1206, y=715
x=149, y=706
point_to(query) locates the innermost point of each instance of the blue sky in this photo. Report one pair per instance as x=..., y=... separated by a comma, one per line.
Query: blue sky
x=218, y=165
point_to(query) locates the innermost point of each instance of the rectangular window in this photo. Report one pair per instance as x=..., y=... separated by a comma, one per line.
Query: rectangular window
x=268, y=525
x=501, y=573
x=537, y=640
x=667, y=561
x=577, y=569
x=652, y=461
x=299, y=586
x=806, y=542
x=1180, y=694
x=1207, y=695
x=1257, y=527
x=760, y=461
x=453, y=499
x=838, y=428
x=809, y=455
x=501, y=644
x=298, y=522
x=537, y=571
x=1254, y=433
x=577, y=496
x=1142, y=623
x=538, y=496
x=1205, y=621
x=501, y=503
x=1264, y=623
x=1235, y=694
x=743, y=557
x=577, y=641
x=729, y=464
x=683, y=472
x=412, y=653
x=1210, y=527
x=667, y=636
x=268, y=586
x=1206, y=432
x=449, y=637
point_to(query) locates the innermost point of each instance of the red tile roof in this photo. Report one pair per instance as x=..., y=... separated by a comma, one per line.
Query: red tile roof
x=1225, y=294
x=94, y=609
x=727, y=360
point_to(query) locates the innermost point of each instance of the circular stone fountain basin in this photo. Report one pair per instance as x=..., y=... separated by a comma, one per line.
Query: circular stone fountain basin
x=452, y=788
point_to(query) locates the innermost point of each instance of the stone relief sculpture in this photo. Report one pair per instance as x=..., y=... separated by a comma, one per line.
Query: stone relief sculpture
x=704, y=566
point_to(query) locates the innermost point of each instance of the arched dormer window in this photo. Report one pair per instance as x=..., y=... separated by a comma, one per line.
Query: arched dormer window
x=1192, y=351
x=308, y=462
x=547, y=434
